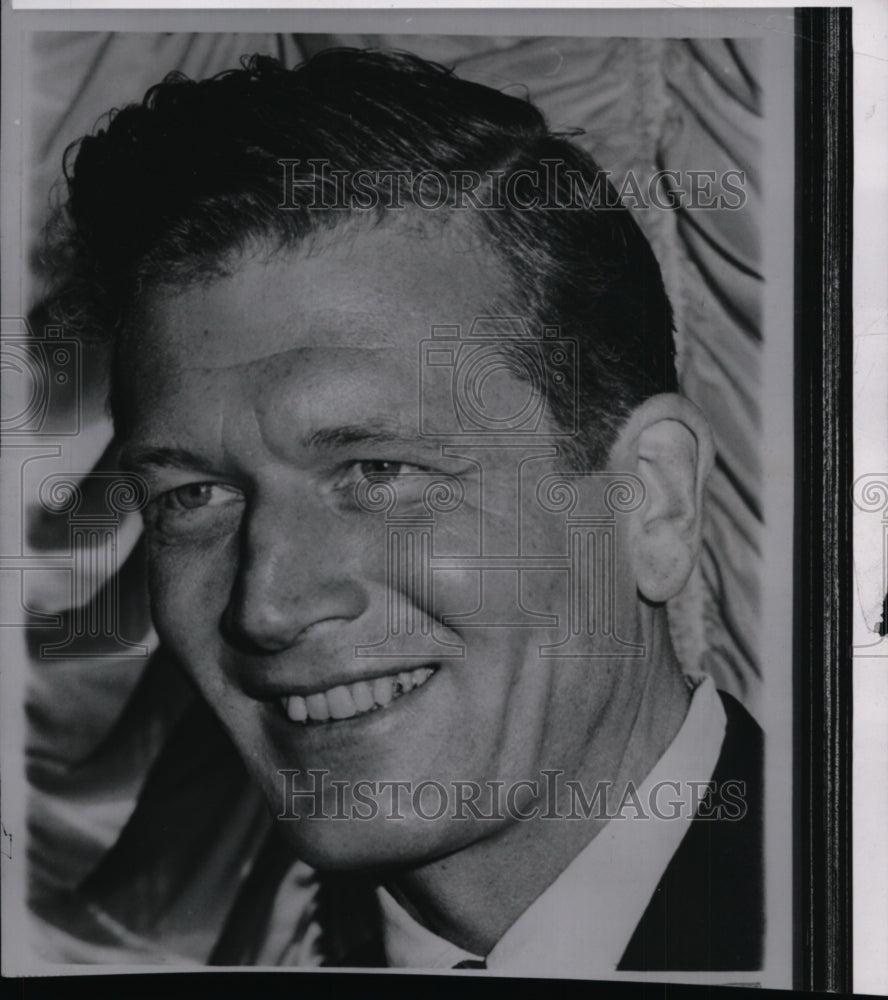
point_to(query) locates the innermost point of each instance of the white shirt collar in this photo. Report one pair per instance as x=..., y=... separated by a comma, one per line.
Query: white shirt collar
x=409, y=945
x=580, y=926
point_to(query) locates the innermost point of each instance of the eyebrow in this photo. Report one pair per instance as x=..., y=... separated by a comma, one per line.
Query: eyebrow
x=348, y=434
x=325, y=439
x=174, y=458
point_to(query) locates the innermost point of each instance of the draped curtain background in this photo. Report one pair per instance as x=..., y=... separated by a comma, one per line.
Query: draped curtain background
x=102, y=723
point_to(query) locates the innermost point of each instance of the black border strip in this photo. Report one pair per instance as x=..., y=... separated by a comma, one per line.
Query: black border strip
x=824, y=174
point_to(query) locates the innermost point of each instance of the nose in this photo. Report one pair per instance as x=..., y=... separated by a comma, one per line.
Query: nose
x=298, y=571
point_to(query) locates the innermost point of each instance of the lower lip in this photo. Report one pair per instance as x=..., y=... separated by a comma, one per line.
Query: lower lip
x=321, y=729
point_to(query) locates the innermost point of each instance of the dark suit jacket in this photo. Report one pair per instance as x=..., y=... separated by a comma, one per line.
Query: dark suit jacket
x=706, y=914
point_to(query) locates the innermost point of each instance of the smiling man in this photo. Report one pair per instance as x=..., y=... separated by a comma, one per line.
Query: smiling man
x=421, y=482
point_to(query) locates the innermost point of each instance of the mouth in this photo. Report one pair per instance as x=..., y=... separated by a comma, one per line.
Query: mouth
x=347, y=701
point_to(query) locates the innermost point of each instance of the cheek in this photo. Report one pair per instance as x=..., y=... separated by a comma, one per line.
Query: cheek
x=189, y=587
x=501, y=574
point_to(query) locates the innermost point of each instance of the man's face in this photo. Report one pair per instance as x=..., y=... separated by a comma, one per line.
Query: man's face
x=260, y=401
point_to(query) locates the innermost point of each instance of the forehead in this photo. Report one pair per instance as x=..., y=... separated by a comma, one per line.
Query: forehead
x=356, y=288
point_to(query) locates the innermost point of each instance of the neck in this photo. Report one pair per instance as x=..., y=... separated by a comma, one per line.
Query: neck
x=471, y=897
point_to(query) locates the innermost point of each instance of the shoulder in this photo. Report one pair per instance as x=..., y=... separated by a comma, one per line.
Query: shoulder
x=707, y=912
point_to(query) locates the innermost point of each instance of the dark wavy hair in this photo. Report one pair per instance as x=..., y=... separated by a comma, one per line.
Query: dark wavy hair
x=167, y=190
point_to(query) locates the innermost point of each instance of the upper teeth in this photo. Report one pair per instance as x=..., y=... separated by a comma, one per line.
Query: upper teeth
x=346, y=700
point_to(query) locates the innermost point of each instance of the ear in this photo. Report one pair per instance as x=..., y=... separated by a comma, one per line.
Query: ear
x=668, y=444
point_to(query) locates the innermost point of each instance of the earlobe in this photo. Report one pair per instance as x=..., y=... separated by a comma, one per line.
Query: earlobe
x=668, y=444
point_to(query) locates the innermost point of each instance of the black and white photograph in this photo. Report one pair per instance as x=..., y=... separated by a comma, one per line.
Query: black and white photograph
x=408, y=495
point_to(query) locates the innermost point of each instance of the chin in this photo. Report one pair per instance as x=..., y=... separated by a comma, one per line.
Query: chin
x=353, y=845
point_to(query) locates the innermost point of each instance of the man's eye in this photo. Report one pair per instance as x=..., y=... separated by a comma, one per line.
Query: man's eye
x=386, y=471
x=193, y=496
x=356, y=477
